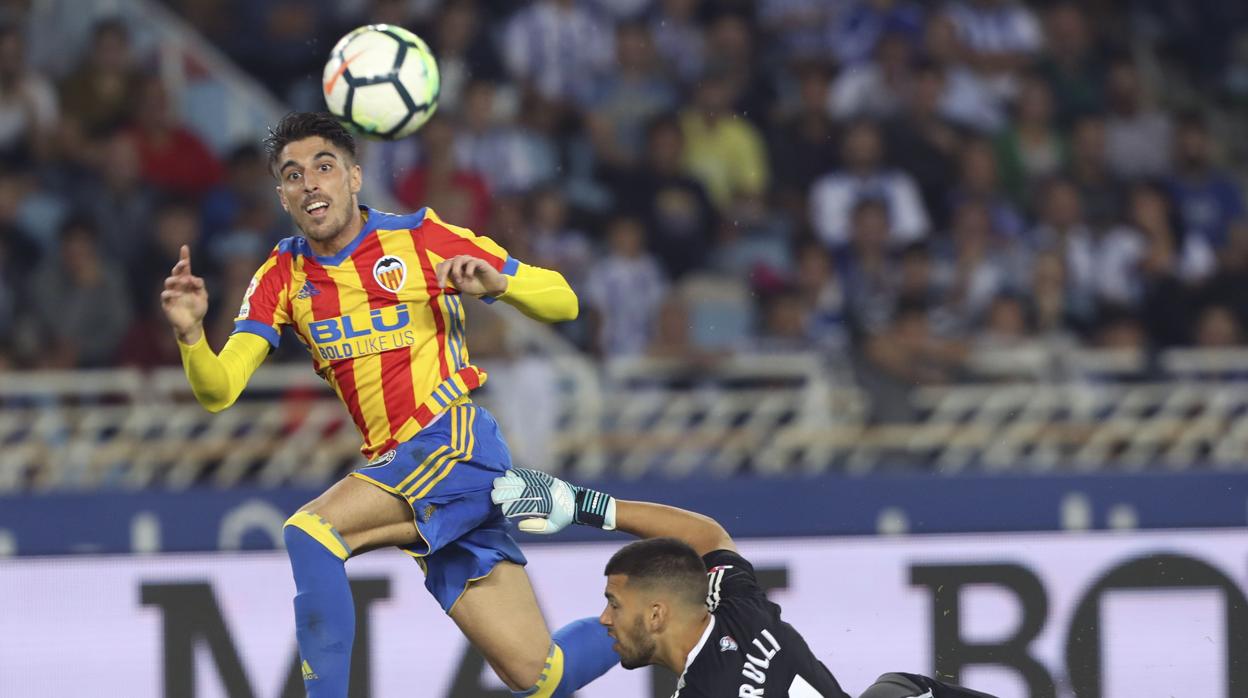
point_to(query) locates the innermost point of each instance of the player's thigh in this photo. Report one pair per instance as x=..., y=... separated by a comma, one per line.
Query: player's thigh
x=365, y=515
x=500, y=616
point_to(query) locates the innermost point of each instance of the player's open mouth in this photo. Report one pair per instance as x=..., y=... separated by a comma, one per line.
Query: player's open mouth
x=317, y=209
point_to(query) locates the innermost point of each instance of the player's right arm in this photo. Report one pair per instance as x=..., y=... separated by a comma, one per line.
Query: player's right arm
x=216, y=379
x=545, y=504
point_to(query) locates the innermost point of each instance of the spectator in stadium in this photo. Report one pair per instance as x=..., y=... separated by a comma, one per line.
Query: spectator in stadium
x=724, y=152
x=982, y=263
x=283, y=43
x=867, y=266
x=116, y=197
x=863, y=26
x=1071, y=64
x=512, y=156
x=172, y=157
x=818, y=291
x=864, y=174
x=29, y=112
x=81, y=301
x=553, y=242
x=979, y=179
x=924, y=142
x=440, y=183
x=1218, y=327
x=1207, y=200
x=559, y=48
x=876, y=89
x=1001, y=38
x=1229, y=286
x=804, y=30
x=625, y=291
x=245, y=172
x=785, y=323
x=98, y=95
x=733, y=55
x=1006, y=324
x=175, y=222
x=1060, y=315
x=1032, y=147
x=464, y=49
x=1099, y=188
x=905, y=354
x=628, y=98
x=803, y=142
x=679, y=39
x=967, y=99
x=678, y=214
x=1137, y=134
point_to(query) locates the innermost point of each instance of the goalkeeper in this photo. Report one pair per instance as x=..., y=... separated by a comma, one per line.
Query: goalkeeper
x=683, y=598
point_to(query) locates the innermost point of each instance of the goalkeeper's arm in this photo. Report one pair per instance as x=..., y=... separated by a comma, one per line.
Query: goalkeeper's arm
x=546, y=504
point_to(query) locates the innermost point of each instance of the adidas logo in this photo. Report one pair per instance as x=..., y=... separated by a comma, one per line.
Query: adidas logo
x=307, y=291
x=308, y=674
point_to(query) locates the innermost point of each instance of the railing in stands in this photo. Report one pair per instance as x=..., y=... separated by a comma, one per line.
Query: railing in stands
x=760, y=414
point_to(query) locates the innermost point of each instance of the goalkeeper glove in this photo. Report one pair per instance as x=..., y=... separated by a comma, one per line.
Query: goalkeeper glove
x=545, y=504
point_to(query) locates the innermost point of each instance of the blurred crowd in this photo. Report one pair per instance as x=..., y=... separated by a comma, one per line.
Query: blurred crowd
x=896, y=182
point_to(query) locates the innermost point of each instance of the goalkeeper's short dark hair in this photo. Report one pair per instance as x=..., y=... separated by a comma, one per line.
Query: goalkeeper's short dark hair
x=662, y=562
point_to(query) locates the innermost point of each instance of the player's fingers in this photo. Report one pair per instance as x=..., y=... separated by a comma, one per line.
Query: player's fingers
x=197, y=283
x=534, y=526
x=443, y=268
x=458, y=265
x=184, y=255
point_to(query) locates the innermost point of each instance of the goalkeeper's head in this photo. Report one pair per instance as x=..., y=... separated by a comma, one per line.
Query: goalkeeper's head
x=656, y=597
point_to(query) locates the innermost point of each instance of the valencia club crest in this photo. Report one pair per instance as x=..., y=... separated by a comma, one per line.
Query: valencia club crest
x=390, y=273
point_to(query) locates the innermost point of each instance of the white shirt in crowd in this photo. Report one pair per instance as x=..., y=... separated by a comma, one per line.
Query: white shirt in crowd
x=626, y=293
x=834, y=195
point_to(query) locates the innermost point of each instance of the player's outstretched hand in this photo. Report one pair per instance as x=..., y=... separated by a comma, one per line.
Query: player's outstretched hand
x=185, y=299
x=471, y=275
x=545, y=504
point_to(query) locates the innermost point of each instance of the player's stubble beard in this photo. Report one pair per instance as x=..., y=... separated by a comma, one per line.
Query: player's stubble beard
x=333, y=225
x=636, y=647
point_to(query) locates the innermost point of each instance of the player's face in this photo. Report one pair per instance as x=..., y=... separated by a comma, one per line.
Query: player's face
x=625, y=619
x=317, y=185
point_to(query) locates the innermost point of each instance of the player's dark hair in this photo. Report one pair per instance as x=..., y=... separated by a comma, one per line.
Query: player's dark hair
x=662, y=562
x=299, y=125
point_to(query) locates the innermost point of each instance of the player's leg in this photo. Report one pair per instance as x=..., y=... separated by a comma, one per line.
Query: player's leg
x=500, y=616
x=350, y=517
x=897, y=685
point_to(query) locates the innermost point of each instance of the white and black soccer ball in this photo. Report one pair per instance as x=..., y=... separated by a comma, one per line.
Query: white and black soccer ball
x=383, y=80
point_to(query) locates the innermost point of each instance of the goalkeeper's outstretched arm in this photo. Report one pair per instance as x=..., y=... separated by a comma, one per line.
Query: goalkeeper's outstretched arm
x=545, y=504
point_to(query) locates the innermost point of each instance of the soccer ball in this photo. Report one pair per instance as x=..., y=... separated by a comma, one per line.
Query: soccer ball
x=382, y=80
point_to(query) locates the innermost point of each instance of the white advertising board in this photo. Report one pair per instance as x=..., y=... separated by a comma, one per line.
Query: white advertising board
x=1130, y=615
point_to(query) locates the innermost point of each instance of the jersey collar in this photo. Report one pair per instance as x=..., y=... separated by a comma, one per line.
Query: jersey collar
x=370, y=224
x=693, y=653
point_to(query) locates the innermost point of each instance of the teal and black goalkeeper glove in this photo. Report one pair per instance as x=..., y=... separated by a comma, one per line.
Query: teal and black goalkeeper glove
x=545, y=504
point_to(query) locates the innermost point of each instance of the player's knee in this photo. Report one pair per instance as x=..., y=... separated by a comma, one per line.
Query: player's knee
x=305, y=525
x=531, y=673
x=521, y=674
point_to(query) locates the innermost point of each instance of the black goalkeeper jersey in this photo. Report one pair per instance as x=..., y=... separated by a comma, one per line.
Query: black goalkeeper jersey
x=747, y=650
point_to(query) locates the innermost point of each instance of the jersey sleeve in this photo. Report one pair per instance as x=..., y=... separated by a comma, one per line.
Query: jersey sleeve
x=445, y=241
x=266, y=307
x=730, y=577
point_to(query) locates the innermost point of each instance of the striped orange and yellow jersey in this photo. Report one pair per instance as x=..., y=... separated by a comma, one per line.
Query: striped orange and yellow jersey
x=380, y=330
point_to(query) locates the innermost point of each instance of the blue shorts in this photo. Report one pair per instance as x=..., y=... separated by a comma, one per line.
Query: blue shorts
x=446, y=473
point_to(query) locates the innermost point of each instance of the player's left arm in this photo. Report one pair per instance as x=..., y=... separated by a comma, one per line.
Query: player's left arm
x=542, y=294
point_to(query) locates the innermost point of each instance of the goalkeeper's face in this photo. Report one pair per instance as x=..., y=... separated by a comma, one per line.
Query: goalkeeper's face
x=318, y=184
x=629, y=619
